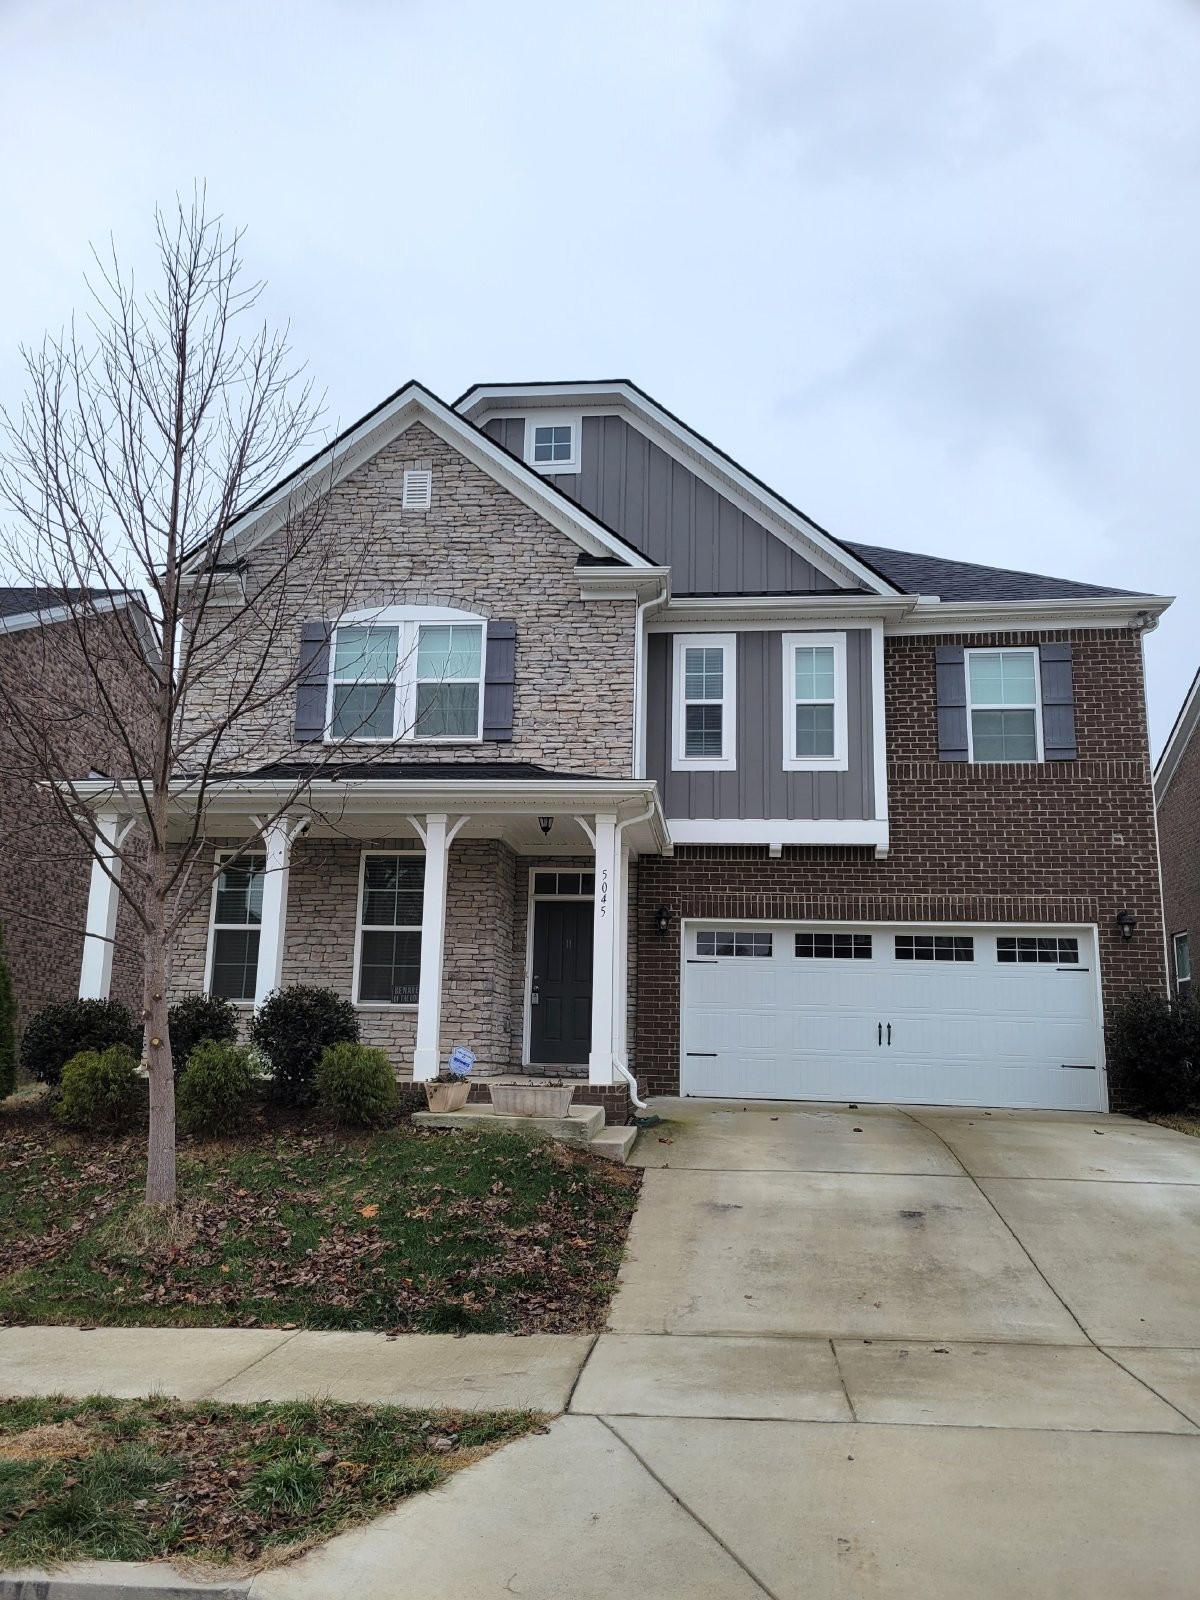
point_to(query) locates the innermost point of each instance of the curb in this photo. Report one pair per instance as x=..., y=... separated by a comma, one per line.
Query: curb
x=115, y=1580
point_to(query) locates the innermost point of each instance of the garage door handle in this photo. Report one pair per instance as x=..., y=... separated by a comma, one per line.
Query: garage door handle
x=889, y=1036
x=881, y=1033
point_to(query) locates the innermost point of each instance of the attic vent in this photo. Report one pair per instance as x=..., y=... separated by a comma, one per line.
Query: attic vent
x=418, y=490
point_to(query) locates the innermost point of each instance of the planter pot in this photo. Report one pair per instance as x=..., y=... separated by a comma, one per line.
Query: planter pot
x=447, y=1096
x=531, y=1099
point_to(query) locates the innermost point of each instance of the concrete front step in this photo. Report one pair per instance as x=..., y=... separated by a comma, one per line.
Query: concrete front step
x=580, y=1125
x=614, y=1143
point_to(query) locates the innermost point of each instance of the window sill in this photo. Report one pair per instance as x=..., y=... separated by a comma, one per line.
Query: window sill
x=380, y=1005
x=687, y=764
x=825, y=764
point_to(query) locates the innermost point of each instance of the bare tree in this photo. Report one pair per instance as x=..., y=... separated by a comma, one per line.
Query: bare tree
x=140, y=442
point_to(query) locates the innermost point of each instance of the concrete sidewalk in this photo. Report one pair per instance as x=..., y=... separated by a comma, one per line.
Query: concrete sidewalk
x=479, y=1372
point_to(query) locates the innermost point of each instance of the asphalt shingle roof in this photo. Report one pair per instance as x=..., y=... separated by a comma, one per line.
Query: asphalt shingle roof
x=964, y=580
x=17, y=602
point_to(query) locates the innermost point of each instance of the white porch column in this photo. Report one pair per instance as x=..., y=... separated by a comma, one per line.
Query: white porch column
x=104, y=899
x=438, y=835
x=604, y=948
x=278, y=837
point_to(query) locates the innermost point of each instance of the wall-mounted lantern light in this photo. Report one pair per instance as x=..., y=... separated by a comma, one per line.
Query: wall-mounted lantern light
x=1125, y=922
x=545, y=824
x=662, y=919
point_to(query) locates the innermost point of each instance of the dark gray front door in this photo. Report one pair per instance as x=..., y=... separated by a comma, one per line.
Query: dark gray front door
x=560, y=1029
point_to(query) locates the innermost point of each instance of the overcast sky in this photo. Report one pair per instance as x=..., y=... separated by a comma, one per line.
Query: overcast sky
x=929, y=267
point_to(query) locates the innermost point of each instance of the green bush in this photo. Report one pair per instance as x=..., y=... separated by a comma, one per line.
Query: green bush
x=8, y=1022
x=356, y=1085
x=214, y=1093
x=99, y=1089
x=59, y=1032
x=1154, y=1053
x=197, y=1018
x=292, y=1031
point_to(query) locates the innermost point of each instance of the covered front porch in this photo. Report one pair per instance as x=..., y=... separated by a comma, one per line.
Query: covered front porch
x=454, y=905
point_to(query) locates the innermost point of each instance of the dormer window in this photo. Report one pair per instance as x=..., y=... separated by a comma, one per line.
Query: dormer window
x=552, y=442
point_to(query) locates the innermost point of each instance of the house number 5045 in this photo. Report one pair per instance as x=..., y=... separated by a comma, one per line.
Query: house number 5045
x=603, y=895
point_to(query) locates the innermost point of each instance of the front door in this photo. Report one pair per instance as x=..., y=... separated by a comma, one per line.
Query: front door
x=560, y=1010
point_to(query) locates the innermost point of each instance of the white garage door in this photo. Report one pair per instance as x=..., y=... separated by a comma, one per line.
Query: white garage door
x=934, y=1016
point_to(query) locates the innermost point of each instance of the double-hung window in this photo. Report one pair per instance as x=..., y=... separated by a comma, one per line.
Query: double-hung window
x=389, y=929
x=236, y=917
x=1183, y=964
x=1004, y=705
x=705, y=732
x=408, y=677
x=814, y=702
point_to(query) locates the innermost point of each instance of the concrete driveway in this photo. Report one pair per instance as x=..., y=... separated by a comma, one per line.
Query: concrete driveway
x=857, y=1353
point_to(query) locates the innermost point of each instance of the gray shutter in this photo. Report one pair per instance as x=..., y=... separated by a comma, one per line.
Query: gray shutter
x=498, y=680
x=312, y=681
x=951, y=702
x=1058, y=703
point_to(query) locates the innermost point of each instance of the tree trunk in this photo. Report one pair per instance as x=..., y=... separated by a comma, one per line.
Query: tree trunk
x=160, y=1162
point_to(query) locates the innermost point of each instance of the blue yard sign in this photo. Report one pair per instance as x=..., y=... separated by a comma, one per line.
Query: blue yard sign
x=461, y=1061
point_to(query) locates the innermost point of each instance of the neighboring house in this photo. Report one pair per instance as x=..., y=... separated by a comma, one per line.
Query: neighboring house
x=1177, y=797
x=45, y=867
x=685, y=786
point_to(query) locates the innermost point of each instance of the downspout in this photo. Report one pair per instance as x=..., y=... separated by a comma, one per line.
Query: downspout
x=1144, y=623
x=639, y=678
x=630, y=1080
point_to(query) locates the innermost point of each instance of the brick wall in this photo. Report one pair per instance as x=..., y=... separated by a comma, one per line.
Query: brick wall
x=1059, y=842
x=45, y=868
x=480, y=549
x=1179, y=843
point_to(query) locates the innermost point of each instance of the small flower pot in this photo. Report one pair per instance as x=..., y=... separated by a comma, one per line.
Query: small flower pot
x=447, y=1096
x=531, y=1099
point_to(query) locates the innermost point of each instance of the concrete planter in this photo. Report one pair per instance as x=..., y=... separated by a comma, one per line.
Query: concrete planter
x=447, y=1096
x=531, y=1099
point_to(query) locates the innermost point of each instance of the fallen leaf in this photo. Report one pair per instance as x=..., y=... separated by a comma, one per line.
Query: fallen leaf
x=369, y=1211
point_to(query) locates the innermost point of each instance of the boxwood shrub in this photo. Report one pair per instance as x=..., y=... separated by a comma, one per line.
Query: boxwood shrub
x=99, y=1090
x=356, y=1085
x=1154, y=1053
x=215, y=1091
x=59, y=1032
x=292, y=1031
x=199, y=1017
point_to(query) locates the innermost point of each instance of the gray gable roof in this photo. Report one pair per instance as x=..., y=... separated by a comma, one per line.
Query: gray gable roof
x=964, y=580
x=20, y=602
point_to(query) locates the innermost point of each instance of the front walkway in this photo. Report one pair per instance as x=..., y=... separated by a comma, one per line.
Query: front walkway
x=861, y=1354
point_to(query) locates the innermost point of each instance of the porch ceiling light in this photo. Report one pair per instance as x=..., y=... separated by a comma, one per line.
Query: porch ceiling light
x=545, y=824
x=662, y=919
x=1125, y=922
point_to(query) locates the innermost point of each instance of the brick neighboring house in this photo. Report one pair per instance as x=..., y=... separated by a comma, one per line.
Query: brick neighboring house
x=634, y=772
x=1177, y=797
x=44, y=867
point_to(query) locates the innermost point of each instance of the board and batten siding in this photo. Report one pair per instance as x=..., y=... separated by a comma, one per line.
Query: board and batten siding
x=672, y=516
x=760, y=787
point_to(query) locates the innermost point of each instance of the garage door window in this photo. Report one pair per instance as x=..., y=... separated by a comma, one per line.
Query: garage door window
x=713, y=942
x=934, y=947
x=1047, y=951
x=834, y=946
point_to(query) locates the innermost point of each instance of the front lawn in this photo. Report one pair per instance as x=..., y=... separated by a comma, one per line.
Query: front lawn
x=403, y=1230
x=1182, y=1122
x=136, y=1480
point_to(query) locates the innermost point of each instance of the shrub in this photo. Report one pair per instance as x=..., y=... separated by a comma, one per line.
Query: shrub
x=356, y=1085
x=99, y=1089
x=8, y=1040
x=1154, y=1053
x=196, y=1018
x=293, y=1029
x=59, y=1032
x=215, y=1090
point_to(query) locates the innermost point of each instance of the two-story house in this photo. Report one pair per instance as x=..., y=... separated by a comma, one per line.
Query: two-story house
x=633, y=771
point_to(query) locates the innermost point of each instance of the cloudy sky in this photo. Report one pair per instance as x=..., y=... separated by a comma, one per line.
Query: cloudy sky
x=930, y=267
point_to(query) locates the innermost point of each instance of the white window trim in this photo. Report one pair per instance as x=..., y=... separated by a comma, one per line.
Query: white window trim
x=1181, y=977
x=554, y=419
x=727, y=760
x=1005, y=650
x=375, y=1005
x=220, y=857
x=839, y=761
x=407, y=620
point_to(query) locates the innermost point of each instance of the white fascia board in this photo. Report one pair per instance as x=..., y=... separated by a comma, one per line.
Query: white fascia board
x=622, y=583
x=685, y=611
x=415, y=404
x=1177, y=741
x=788, y=524
x=45, y=619
x=1140, y=611
x=778, y=831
